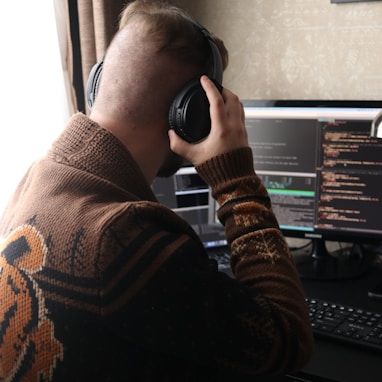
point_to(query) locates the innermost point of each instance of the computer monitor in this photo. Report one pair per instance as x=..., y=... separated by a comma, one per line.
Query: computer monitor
x=323, y=172
x=190, y=197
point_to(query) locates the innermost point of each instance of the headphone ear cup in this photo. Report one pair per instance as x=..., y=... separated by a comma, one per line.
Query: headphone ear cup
x=189, y=114
x=93, y=83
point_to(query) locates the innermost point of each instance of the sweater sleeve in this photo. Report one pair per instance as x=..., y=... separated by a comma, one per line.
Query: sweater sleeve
x=260, y=257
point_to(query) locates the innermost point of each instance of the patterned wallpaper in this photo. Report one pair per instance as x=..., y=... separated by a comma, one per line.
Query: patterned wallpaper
x=297, y=49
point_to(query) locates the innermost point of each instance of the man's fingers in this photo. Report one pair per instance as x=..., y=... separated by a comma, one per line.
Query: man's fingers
x=211, y=90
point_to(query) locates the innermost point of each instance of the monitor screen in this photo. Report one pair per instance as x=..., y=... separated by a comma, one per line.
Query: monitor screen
x=321, y=169
x=190, y=197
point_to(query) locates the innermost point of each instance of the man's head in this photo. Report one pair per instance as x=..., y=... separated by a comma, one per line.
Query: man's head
x=156, y=51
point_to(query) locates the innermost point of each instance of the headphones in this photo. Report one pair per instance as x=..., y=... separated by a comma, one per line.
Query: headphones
x=189, y=114
x=376, y=126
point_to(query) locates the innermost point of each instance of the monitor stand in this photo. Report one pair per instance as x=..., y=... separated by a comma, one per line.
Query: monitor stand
x=344, y=263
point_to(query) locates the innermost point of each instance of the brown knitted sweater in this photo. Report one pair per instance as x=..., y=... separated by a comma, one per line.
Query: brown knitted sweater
x=99, y=282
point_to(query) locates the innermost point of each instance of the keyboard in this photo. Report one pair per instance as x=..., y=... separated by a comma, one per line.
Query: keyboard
x=222, y=256
x=333, y=321
x=349, y=325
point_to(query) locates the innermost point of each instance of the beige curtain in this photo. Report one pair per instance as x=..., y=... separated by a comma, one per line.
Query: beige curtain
x=92, y=24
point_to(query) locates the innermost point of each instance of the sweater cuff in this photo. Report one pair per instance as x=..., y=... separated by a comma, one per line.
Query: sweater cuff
x=225, y=167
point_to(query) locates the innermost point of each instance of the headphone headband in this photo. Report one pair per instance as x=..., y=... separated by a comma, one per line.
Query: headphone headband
x=217, y=63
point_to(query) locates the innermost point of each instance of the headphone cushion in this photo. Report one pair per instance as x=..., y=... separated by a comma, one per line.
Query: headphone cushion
x=93, y=83
x=189, y=114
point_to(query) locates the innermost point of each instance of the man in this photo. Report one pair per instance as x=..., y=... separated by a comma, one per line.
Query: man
x=100, y=282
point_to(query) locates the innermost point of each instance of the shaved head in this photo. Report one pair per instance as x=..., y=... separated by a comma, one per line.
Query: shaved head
x=157, y=50
x=139, y=81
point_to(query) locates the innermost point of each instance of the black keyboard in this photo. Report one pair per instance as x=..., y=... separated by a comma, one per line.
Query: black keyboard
x=349, y=325
x=222, y=255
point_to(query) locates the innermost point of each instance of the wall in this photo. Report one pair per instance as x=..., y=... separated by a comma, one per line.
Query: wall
x=297, y=49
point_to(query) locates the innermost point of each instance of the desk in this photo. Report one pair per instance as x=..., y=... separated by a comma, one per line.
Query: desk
x=331, y=361
x=340, y=362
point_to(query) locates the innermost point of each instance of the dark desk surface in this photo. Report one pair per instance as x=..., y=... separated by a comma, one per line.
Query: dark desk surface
x=339, y=362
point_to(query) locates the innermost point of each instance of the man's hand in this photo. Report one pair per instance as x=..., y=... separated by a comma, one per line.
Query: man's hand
x=228, y=130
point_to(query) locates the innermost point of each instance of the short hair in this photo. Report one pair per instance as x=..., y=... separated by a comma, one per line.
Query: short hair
x=179, y=36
